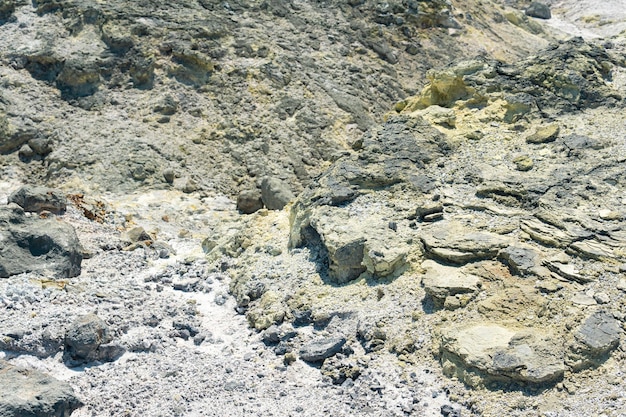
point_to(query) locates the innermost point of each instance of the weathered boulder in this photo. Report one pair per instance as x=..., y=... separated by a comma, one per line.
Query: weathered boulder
x=30, y=393
x=275, y=193
x=544, y=134
x=37, y=199
x=34, y=244
x=320, y=349
x=89, y=339
x=484, y=354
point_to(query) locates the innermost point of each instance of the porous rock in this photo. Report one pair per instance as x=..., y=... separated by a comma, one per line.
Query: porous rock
x=88, y=339
x=34, y=244
x=30, y=393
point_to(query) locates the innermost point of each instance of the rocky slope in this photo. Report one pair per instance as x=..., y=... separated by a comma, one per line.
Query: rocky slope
x=453, y=236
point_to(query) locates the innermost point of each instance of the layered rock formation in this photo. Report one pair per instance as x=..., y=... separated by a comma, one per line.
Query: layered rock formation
x=410, y=236
x=503, y=214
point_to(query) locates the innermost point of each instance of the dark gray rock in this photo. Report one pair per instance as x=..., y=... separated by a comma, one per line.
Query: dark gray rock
x=88, y=339
x=539, y=10
x=36, y=199
x=249, y=201
x=320, y=349
x=275, y=193
x=30, y=393
x=448, y=411
x=34, y=244
x=169, y=175
x=596, y=337
x=520, y=260
x=78, y=78
x=7, y=7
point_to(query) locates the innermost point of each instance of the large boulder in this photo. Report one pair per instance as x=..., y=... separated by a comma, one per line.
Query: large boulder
x=35, y=244
x=275, y=193
x=89, y=339
x=539, y=10
x=30, y=393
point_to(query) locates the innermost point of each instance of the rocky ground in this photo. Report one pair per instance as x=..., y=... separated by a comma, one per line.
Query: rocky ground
x=301, y=208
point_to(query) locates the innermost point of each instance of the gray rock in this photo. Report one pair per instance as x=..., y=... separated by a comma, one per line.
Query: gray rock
x=595, y=338
x=482, y=354
x=451, y=242
x=169, y=175
x=275, y=193
x=539, y=10
x=34, y=244
x=521, y=260
x=320, y=349
x=36, y=199
x=7, y=7
x=249, y=201
x=88, y=339
x=442, y=281
x=30, y=393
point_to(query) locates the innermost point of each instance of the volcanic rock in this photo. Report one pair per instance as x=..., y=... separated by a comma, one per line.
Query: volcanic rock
x=37, y=199
x=30, y=393
x=33, y=244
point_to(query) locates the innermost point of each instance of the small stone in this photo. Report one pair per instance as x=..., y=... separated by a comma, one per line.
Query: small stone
x=26, y=152
x=138, y=234
x=583, y=299
x=523, y=163
x=289, y=358
x=169, y=175
x=448, y=411
x=607, y=214
x=544, y=134
x=621, y=285
x=602, y=298
x=198, y=339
